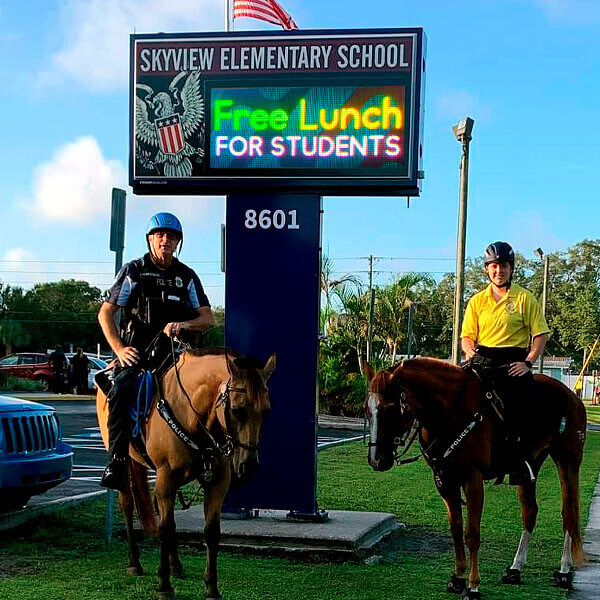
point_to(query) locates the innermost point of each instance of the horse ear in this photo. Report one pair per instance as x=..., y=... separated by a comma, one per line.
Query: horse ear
x=232, y=366
x=368, y=370
x=270, y=366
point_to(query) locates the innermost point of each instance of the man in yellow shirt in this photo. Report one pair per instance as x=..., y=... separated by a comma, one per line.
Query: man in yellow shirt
x=504, y=324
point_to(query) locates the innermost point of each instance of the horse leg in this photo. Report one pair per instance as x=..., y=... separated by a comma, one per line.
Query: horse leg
x=572, y=553
x=456, y=583
x=126, y=503
x=474, y=493
x=213, y=502
x=165, y=499
x=529, y=513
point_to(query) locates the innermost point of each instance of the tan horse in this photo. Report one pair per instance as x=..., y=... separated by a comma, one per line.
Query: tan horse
x=445, y=401
x=220, y=404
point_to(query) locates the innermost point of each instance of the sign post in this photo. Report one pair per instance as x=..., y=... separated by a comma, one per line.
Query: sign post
x=117, y=245
x=275, y=121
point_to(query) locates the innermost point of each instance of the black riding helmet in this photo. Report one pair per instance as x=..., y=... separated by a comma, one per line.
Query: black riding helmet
x=500, y=252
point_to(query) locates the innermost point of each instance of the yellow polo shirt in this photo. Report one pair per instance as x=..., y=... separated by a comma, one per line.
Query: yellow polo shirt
x=509, y=322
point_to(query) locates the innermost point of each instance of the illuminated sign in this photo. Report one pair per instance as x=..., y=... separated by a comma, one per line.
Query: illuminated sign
x=337, y=112
x=323, y=128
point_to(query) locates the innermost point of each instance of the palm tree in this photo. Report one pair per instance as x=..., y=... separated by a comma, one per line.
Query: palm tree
x=392, y=304
x=329, y=285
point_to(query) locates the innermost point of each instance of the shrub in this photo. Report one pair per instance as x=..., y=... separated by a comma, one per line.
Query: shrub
x=9, y=383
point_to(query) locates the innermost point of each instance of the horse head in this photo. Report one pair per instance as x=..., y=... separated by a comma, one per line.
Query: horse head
x=390, y=419
x=246, y=407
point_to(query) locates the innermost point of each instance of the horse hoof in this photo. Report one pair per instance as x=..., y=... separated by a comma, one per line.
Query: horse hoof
x=177, y=571
x=511, y=576
x=456, y=585
x=471, y=595
x=563, y=580
x=165, y=595
x=135, y=571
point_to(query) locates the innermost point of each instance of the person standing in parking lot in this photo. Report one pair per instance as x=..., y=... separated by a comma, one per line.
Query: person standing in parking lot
x=58, y=360
x=80, y=365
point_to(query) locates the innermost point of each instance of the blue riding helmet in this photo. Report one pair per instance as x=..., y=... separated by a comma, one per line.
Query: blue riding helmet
x=164, y=221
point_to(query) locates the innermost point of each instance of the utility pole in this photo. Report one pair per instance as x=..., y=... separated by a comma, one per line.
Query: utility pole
x=411, y=318
x=371, y=310
x=545, y=269
x=117, y=245
x=462, y=131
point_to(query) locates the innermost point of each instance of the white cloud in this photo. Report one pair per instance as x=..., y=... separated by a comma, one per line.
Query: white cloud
x=574, y=11
x=75, y=185
x=456, y=104
x=18, y=255
x=95, y=52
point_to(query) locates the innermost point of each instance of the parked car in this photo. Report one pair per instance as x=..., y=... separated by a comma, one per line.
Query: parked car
x=33, y=457
x=28, y=365
x=96, y=364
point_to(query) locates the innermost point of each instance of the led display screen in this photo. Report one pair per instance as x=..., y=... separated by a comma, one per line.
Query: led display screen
x=323, y=128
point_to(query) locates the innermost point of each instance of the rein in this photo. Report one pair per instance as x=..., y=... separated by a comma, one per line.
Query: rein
x=226, y=449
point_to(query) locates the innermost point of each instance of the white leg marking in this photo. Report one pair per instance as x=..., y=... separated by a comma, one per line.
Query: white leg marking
x=567, y=558
x=521, y=555
x=373, y=430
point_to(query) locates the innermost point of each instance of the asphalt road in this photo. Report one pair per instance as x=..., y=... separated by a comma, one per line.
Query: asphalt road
x=80, y=430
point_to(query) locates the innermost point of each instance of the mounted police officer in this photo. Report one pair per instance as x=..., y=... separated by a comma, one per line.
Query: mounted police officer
x=505, y=325
x=156, y=293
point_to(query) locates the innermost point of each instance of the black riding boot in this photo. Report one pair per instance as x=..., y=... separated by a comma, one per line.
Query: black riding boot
x=115, y=475
x=521, y=465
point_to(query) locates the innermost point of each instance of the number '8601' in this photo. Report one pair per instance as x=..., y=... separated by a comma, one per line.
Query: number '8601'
x=267, y=219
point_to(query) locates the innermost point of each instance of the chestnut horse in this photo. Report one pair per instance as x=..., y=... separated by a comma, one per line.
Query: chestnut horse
x=446, y=405
x=219, y=402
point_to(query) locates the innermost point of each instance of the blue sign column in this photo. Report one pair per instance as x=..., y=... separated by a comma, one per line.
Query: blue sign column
x=272, y=294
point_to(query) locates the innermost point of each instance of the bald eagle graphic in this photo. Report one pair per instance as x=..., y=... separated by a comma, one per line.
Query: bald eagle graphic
x=166, y=120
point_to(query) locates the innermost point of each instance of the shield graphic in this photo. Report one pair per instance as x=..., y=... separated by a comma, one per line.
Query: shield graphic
x=170, y=134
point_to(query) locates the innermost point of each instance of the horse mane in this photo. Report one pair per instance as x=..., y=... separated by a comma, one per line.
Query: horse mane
x=426, y=362
x=214, y=351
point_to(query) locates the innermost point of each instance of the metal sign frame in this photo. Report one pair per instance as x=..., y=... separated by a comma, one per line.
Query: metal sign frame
x=163, y=58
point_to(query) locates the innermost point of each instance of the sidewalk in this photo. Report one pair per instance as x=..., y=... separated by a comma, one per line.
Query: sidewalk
x=586, y=582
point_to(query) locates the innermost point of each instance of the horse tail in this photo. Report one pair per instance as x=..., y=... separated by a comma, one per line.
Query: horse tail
x=572, y=516
x=142, y=498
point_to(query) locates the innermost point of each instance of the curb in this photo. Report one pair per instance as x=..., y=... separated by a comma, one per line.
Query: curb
x=14, y=519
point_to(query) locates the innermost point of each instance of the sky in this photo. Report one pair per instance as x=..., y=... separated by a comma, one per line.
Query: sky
x=527, y=72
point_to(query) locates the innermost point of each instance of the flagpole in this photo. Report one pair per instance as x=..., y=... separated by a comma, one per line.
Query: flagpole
x=227, y=15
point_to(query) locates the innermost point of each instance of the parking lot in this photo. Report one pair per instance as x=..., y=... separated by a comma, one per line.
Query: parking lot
x=81, y=431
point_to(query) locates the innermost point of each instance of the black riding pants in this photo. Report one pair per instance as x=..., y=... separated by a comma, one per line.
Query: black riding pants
x=119, y=399
x=517, y=392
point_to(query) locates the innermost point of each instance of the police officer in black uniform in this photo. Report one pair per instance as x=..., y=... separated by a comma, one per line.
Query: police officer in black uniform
x=156, y=293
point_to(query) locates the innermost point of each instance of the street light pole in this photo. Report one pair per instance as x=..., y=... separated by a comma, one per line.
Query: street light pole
x=462, y=131
x=545, y=269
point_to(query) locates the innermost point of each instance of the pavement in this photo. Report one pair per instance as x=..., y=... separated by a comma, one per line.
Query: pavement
x=586, y=582
x=345, y=534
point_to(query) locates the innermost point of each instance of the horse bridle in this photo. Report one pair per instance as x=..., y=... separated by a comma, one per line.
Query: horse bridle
x=405, y=439
x=223, y=400
x=225, y=449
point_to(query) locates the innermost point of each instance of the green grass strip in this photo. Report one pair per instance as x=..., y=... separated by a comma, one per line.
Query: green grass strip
x=62, y=556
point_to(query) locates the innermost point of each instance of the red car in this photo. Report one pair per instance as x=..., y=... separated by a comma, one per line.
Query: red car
x=28, y=365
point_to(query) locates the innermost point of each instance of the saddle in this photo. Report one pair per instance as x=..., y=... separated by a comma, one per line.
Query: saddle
x=485, y=372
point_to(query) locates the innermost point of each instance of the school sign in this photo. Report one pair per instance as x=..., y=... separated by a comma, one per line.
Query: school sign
x=332, y=112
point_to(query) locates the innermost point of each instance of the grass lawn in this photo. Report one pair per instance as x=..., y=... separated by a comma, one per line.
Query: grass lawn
x=62, y=557
x=593, y=413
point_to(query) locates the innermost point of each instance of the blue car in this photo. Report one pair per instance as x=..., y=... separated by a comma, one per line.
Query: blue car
x=33, y=457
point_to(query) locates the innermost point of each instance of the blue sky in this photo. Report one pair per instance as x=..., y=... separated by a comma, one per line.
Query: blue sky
x=527, y=71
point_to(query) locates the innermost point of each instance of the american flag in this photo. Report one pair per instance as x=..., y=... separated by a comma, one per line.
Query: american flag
x=264, y=10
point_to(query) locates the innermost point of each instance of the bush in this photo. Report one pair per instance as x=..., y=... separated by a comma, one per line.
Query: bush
x=340, y=392
x=8, y=383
